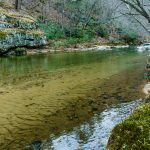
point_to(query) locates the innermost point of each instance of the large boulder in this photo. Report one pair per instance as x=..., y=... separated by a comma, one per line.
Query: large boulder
x=17, y=30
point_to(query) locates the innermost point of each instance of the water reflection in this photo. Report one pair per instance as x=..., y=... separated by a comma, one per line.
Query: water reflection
x=17, y=66
x=94, y=134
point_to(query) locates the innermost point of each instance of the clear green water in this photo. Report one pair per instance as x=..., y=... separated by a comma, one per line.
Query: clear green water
x=86, y=66
x=20, y=66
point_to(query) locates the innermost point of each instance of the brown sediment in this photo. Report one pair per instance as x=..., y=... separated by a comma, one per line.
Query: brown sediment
x=35, y=106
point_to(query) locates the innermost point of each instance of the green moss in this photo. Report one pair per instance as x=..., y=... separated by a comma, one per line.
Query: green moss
x=133, y=133
x=35, y=32
x=8, y=31
x=3, y=34
x=20, y=51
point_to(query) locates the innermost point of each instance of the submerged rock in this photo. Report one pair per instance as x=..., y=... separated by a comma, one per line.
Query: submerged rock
x=17, y=30
x=36, y=145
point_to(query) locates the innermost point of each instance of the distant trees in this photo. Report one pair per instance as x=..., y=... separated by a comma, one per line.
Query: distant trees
x=139, y=9
x=95, y=17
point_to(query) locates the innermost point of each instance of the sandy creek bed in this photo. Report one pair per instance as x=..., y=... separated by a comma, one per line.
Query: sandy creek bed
x=37, y=103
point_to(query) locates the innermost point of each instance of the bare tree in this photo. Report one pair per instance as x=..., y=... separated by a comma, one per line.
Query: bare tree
x=140, y=11
x=62, y=17
x=140, y=6
x=18, y=4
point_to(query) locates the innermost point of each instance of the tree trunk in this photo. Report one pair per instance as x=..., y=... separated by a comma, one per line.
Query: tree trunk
x=16, y=4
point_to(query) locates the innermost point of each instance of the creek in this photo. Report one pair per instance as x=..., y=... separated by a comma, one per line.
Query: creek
x=65, y=101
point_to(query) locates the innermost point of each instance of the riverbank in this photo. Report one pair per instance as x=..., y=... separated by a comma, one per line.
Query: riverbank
x=95, y=44
x=81, y=49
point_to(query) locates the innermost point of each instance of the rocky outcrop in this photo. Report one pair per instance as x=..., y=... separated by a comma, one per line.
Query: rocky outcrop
x=17, y=30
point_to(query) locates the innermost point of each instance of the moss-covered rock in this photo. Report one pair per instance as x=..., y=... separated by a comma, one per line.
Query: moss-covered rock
x=133, y=133
x=17, y=30
x=3, y=34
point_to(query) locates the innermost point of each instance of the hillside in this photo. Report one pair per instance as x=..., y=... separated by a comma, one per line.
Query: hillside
x=69, y=23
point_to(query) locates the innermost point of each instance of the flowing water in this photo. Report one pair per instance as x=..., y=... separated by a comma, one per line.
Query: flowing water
x=67, y=101
x=17, y=66
x=92, y=135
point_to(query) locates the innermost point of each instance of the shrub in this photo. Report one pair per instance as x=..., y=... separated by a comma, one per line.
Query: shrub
x=20, y=51
x=79, y=32
x=57, y=44
x=102, y=31
x=75, y=32
x=52, y=30
x=128, y=36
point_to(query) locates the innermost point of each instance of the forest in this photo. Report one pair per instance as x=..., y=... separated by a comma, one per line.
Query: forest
x=77, y=21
